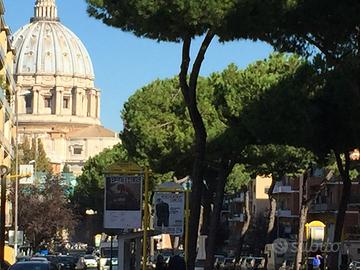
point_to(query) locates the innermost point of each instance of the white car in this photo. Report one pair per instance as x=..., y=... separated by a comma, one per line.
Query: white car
x=354, y=265
x=90, y=261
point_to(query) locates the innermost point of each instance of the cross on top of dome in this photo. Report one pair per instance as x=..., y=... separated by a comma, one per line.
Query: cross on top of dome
x=45, y=10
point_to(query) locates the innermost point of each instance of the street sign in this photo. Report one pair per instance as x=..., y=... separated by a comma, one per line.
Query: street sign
x=123, y=201
x=27, y=170
x=169, y=212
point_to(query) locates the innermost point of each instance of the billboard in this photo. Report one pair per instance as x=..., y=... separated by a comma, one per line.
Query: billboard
x=123, y=201
x=169, y=212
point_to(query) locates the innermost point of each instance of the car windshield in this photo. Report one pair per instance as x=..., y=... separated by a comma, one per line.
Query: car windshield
x=67, y=259
x=89, y=257
x=106, y=252
x=30, y=266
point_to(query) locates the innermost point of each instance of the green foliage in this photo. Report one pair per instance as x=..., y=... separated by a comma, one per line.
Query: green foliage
x=160, y=19
x=277, y=160
x=34, y=151
x=238, y=178
x=89, y=191
x=158, y=129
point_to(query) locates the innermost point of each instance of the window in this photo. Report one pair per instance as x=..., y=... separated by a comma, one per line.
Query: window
x=66, y=102
x=28, y=101
x=47, y=102
x=77, y=150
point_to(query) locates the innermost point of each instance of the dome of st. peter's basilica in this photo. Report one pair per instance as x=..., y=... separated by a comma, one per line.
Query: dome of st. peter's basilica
x=56, y=95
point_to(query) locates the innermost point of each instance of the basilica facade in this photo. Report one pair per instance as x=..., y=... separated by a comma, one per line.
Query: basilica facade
x=56, y=96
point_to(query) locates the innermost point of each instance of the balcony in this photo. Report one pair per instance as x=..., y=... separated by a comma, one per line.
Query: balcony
x=4, y=102
x=322, y=207
x=10, y=78
x=237, y=218
x=285, y=213
x=240, y=198
x=283, y=188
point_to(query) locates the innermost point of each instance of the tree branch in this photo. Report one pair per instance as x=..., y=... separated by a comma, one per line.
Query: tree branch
x=185, y=62
x=197, y=64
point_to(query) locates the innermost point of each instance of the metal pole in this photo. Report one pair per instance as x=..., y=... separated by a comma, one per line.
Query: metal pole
x=111, y=251
x=16, y=206
x=187, y=216
x=146, y=218
x=2, y=217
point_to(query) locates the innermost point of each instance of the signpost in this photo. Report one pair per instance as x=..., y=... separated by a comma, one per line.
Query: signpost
x=3, y=172
x=123, y=201
x=171, y=221
x=27, y=170
x=169, y=212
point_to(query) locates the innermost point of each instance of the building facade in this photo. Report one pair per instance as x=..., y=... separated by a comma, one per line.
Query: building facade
x=7, y=90
x=57, y=98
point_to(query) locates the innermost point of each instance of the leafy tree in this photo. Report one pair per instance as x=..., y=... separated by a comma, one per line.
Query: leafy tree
x=238, y=178
x=158, y=129
x=56, y=216
x=89, y=191
x=34, y=152
x=177, y=21
x=327, y=31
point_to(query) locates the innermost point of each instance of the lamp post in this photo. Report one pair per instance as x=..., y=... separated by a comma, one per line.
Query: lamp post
x=3, y=172
x=16, y=176
x=16, y=204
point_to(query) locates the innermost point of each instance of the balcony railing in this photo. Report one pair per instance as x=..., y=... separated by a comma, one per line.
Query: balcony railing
x=239, y=198
x=237, y=218
x=322, y=207
x=10, y=78
x=284, y=213
x=280, y=188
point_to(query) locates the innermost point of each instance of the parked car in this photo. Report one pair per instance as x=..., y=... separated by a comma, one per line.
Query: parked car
x=354, y=265
x=200, y=265
x=90, y=261
x=229, y=264
x=33, y=265
x=67, y=262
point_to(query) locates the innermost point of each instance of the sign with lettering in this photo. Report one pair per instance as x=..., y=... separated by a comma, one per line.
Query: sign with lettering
x=123, y=201
x=169, y=212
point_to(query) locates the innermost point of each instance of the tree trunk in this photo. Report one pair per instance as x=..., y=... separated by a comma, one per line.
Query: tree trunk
x=272, y=211
x=219, y=198
x=345, y=195
x=246, y=225
x=189, y=92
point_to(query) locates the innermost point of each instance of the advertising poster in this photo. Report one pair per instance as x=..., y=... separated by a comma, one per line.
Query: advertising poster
x=123, y=199
x=169, y=212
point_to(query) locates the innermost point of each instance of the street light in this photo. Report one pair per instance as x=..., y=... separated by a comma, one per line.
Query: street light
x=24, y=93
x=3, y=172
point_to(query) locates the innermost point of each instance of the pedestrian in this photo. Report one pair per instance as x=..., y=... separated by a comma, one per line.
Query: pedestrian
x=160, y=263
x=317, y=262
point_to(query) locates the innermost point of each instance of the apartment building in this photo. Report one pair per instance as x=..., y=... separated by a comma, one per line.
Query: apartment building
x=7, y=91
x=287, y=195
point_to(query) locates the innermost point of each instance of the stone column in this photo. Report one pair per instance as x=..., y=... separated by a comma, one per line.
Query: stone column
x=77, y=102
x=88, y=102
x=36, y=101
x=59, y=99
x=98, y=104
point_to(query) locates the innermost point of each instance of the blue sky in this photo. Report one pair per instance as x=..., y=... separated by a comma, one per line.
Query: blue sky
x=124, y=63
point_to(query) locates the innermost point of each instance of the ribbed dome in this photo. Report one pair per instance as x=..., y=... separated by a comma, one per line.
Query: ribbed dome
x=45, y=46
